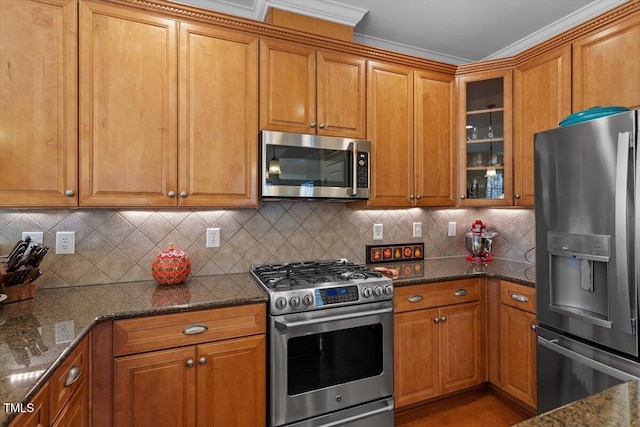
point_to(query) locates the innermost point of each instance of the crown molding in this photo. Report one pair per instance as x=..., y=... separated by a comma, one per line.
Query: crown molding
x=578, y=17
x=328, y=10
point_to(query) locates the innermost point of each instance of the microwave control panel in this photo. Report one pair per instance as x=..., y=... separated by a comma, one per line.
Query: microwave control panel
x=363, y=170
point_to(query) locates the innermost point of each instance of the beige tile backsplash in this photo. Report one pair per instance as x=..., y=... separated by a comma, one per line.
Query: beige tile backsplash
x=119, y=245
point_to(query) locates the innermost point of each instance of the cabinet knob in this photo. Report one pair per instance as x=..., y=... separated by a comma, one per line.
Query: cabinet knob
x=189, y=363
x=69, y=193
x=202, y=360
x=171, y=194
x=321, y=125
x=312, y=124
x=443, y=319
x=436, y=320
x=419, y=196
x=410, y=196
x=517, y=196
x=183, y=194
x=462, y=197
x=534, y=327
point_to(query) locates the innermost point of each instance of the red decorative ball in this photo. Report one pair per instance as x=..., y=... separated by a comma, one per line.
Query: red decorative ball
x=171, y=267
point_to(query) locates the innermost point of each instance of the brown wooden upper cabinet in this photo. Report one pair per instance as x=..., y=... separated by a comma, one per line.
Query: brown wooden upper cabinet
x=484, y=133
x=38, y=106
x=133, y=65
x=606, y=66
x=542, y=98
x=409, y=125
x=313, y=91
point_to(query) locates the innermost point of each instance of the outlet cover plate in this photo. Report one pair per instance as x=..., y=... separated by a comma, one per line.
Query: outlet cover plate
x=213, y=237
x=377, y=232
x=65, y=242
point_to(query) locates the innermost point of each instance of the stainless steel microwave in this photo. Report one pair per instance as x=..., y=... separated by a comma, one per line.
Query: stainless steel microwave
x=313, y=167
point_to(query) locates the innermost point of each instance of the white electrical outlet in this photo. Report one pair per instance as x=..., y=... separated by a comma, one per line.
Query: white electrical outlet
x=377, y=231
x=452, y=229
x=417, y=229
x=213, y=237
x=65, y=242
x=36, y=238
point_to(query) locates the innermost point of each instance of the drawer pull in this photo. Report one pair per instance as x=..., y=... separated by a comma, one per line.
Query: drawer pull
x=72, y=376
x=196, y=328
x=519, y=298
x=415, y=298
x=460, y=293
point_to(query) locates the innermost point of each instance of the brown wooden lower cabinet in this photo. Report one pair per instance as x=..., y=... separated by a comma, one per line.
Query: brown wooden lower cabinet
x=217, y=384
x=437, y=350
x=518, y=342
x=213, y=377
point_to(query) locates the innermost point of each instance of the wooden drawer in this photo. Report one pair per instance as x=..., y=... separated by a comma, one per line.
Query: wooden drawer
x=436, y=294
x=518, y=296
x=172, y=330
x=73, y=372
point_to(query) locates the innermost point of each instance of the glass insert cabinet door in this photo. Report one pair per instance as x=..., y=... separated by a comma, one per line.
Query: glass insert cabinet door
x=485, y=177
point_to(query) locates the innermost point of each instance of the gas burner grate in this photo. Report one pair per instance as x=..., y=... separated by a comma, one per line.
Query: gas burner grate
x=285, y=275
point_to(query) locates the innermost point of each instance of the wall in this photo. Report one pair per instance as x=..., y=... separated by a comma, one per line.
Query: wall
x=119, y=245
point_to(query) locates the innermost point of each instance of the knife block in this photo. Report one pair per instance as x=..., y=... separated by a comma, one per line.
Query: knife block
x=25, y=289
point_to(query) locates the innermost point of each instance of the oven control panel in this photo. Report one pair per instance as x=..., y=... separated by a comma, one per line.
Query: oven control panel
x=336, y=295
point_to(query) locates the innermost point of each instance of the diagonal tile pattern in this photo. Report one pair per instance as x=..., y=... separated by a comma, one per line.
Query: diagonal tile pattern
x=115, y=245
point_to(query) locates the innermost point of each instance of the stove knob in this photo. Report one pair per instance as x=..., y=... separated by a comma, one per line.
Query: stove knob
x=281, y=303
x=377, y=291
x=294, y=302
x=308, y=299
x=366, y=292
x=388, y=289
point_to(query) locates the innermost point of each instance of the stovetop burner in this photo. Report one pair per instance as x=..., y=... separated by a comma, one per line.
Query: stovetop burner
x=316, y=285
x=310, y=273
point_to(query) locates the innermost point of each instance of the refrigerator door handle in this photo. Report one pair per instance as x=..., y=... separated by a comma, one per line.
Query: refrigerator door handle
x=593, y=364
x=622, y=256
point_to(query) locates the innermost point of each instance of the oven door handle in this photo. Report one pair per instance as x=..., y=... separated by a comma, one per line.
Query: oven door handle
x=283, y=324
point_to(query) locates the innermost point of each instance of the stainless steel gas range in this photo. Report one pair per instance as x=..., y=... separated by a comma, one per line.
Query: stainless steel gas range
x=330, y=344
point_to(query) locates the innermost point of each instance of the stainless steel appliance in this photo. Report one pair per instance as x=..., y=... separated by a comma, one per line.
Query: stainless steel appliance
x=309, y=166
x=330, y=344
x=587, y=257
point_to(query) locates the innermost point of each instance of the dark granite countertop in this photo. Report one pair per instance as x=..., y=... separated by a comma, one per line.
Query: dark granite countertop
x=617, y=406
x=32, y=332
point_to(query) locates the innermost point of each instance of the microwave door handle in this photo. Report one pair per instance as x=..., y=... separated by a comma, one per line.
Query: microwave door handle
x=354, y=168
x=622, y=262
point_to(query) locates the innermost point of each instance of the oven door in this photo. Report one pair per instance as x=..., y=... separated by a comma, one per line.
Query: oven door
x=327, y=360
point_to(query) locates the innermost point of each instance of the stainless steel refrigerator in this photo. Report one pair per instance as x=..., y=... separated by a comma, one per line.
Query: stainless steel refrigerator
x=587, y=257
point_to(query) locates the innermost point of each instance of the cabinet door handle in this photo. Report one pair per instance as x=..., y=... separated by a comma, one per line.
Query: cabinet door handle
x=460, y=293
x=321, y=125
x=171, y=194
x=519, y=298
x=419, y=196
x=72, y=376
x=183, y=194
x=415, y=298
x=202, y=360
x=436, y=320
x=312, y=124
x=69, y=193
x=517, y=196
x=189, y=363
x=410, y=196
x=443, y=319
x=196, y=328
